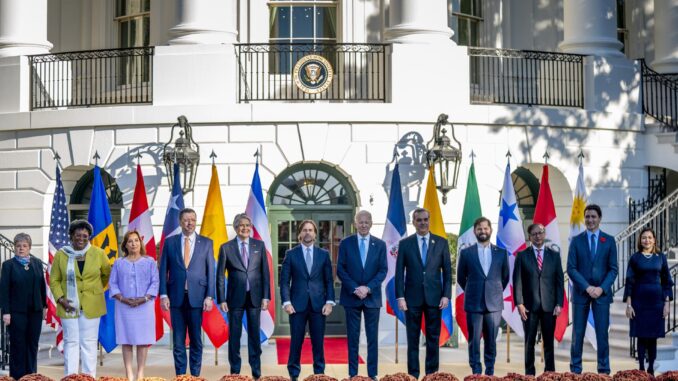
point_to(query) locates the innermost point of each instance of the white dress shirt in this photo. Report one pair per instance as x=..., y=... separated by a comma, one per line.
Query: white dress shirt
x=485, y=256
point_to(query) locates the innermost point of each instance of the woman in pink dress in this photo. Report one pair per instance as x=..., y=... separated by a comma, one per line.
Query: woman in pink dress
x=134, y=286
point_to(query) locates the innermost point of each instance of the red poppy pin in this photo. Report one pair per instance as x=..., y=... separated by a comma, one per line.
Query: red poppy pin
x=602, y=239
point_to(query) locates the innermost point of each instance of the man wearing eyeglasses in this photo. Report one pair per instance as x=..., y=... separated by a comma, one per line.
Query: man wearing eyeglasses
x=248, y=291
x=538, y=294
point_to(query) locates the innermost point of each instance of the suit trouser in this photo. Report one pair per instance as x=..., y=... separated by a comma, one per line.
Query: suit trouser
x=547, y=321
x=24, y=336
x=413, y=324
x=316, y=327
x=353, y=315
x=235, y=316
x=80, y=344
x=184, y=318
x=601, y=317
x=485, y=324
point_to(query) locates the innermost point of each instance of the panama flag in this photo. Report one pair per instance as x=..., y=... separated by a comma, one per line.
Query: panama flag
x=58, y=237
x=140, y=220
x=467, y=238
x=214, y=321
x=545, y=214
x=256, y=210
x=171, y=226
x=577, y=227
x=394, y=231
x=510, y=236
x=105, y=237
x=438, y=228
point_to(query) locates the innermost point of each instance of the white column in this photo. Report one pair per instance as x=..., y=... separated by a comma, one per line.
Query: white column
x=591, y=28
x=23, y=27
x=665, y=36
x=418, y=21
x=205, y=22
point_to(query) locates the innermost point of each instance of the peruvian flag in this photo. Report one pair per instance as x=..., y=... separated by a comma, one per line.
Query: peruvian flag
x=140, y=220
x=545, y=214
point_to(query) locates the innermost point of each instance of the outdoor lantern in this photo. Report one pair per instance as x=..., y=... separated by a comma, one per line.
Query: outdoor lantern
x=185, y=153
x=441, y=155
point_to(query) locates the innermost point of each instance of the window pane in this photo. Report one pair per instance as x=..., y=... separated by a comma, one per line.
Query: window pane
x=302, y=22
x=474, y=26
x=124, y=34
x=280, y=22
x=462, y=29
x=325, y=22
x=466, y=6
x=120, y=8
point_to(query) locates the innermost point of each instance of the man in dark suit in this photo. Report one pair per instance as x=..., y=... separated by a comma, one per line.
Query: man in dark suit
x=307, y=293
x=248, y=291
x=362, y=268
x=483, y=273
x=423, y=286
x=592, y=266
x=186, y=282
x=538, y=294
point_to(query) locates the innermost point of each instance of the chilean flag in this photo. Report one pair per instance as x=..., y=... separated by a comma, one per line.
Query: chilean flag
x=140, y=220
x=256, y=210
x=394, y=231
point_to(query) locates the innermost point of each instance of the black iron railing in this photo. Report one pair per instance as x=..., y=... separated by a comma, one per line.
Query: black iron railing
x=660, y=96
x=526, y=77
x=267, y=72
x=92, y=78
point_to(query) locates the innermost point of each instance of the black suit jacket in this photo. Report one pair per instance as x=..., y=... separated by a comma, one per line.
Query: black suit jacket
x=538, y=290
x=483, y=293
x=423, y=283
x=15, y=289
x=257, y=273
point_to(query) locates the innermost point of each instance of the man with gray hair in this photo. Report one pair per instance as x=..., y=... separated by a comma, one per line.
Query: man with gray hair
x=248, y=291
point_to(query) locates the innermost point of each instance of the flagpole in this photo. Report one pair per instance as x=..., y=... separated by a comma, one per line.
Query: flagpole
x=396, y=338
x=508, y=343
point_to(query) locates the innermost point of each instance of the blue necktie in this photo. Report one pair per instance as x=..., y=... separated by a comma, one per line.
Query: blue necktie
x=363, y=251
x=593, y=245
x=309, y=260
x=424, y=250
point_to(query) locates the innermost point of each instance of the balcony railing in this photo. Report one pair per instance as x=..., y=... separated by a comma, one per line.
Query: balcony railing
x=526, y=77
x=92, y=78
x=660, y=97
x=267, y=72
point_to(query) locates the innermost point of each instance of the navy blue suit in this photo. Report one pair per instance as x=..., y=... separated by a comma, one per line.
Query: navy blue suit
x=423, y=285
x=483, y=302
x=599, y=270
x=308, y=293
x=352, y=274
x=187, y=289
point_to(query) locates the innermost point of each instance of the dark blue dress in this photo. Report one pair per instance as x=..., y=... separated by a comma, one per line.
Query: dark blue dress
x=648, y=283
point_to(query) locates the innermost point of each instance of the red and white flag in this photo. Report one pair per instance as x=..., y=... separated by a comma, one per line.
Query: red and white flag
x=140, y=220
x=545, y=214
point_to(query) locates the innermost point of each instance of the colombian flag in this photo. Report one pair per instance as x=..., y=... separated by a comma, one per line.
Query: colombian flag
x=104, y=236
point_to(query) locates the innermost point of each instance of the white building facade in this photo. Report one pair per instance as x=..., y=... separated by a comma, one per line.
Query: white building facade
x=111, y=77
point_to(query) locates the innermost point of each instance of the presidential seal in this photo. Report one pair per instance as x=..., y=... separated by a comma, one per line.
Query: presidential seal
x=313, y=74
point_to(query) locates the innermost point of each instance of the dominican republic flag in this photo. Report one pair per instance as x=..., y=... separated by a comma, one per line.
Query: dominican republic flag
x=171, y=226
x=140, y=220
x=105, y=237
x=256, y=210
x=394, y=231
x=577, y=227
x=510, y=236
x=467, y=238
x=58, y=237
x=545, y=214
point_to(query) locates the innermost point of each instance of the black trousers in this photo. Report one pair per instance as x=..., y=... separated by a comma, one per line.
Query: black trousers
x=235, y=316
x=482, y=324
x=413, y=324
x=547, y=321
x=24, y=335
x=353, y=315
x=185, y=318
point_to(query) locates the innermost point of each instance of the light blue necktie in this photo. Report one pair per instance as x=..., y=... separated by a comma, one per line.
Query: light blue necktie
x=363, y=251
x=424, y=250
x=593, y=245
x=309, y=260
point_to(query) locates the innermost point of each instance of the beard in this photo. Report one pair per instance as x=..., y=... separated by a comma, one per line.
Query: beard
x=482, y=238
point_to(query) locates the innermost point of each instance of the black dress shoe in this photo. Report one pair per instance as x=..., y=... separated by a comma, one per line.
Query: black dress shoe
x=294, y=378
x=374, y=378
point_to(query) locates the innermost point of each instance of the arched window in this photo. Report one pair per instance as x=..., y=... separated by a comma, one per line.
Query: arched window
x=526, y=186
x=82, y=194
x=309, y=185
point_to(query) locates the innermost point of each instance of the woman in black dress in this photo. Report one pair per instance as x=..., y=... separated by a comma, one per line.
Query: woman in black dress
x=647, y=294
x=23, y=301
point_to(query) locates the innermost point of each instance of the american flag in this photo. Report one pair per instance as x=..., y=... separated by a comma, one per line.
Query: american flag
x=58, y=237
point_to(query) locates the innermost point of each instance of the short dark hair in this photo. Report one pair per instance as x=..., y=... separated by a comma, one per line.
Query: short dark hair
x=480, y=220
x=78, y=225
x=595, y=208
x=126, y=238
x=186, y=210
x=301, y=226
x=646, y=229
x=532, y=226
x=420, y=210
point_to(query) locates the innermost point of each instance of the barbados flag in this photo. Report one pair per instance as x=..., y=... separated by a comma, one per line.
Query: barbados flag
x=104, y=236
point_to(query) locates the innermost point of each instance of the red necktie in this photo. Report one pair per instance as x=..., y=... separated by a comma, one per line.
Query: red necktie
x=540, y=261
